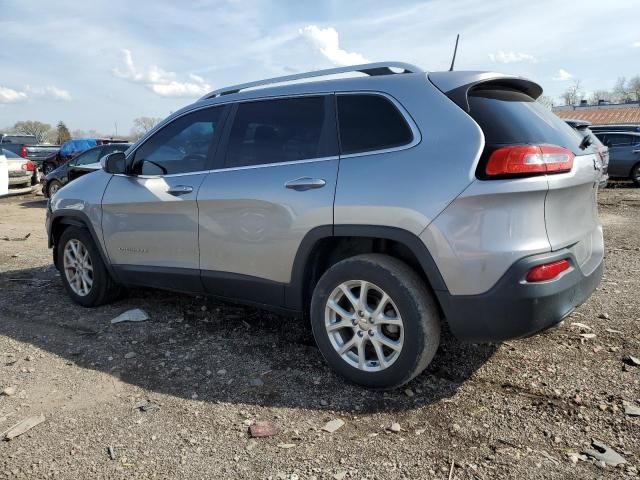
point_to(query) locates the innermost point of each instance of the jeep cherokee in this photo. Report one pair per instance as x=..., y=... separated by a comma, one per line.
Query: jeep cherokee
x=380, y=206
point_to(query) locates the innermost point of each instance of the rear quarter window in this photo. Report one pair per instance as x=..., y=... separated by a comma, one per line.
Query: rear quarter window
x=369, y=122
x=510, y=117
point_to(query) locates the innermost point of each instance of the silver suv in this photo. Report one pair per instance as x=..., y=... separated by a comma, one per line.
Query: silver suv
x=380, y=206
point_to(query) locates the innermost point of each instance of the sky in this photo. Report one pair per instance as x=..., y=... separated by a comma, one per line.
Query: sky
x=99, y=64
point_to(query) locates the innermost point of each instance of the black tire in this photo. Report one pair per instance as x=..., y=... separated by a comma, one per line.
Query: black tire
x=414, y=302
x=104, y=288
x=50, y=187
x=635, y=174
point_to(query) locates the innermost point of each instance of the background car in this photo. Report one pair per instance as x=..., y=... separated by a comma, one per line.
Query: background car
x=71, y=148
x=81, y=164
x=616, y=128
x=582, y=127
x=27, y=147
x=20, y=171
x=624, y=154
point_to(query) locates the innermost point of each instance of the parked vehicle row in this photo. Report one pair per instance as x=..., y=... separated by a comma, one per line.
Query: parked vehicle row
x=27, y=146
x=379, y=207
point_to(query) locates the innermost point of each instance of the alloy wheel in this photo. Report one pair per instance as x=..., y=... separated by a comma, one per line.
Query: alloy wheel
x=78, y=268
x=364, y=325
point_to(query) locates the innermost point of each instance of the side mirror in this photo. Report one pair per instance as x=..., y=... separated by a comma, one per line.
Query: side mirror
x=114, y=163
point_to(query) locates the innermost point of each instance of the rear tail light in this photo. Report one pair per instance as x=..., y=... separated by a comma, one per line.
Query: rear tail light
x=548, y=271
x=525, y=160
x=28, y=166
x=23, y=151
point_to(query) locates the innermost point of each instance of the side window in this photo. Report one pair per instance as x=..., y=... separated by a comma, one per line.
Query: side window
x=85, y=158
x=282, y=130
x=181, y=146
x=370, y=122
x=619, y=140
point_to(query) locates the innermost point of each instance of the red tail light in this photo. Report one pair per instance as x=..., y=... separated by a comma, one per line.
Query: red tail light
x=23, y=151
x=28, y=166
x=548, y=271
x=525, y=160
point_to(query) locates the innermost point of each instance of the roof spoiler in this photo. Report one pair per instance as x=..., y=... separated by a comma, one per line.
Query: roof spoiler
x=457, y=85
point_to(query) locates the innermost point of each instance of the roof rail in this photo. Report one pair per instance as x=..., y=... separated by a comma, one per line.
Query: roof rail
x=372, y=69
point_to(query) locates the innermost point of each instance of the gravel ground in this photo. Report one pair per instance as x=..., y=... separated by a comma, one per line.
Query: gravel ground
x=174, y=396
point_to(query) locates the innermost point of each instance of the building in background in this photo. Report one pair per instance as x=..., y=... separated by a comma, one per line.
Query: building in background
x=603, y=114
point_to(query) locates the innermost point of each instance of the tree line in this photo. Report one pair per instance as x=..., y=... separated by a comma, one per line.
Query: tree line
x=59, y=134
x=624, y=90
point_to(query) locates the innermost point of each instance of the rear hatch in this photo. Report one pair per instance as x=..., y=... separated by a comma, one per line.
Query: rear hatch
x=510, y=116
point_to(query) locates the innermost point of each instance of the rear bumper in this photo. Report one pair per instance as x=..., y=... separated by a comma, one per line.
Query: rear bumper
x=19, y=179
x=514, y=308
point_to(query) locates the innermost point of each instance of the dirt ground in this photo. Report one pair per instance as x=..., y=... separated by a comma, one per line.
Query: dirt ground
x=174, y=396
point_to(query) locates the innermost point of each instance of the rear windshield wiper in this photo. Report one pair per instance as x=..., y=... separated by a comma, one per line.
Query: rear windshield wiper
x=586, y=141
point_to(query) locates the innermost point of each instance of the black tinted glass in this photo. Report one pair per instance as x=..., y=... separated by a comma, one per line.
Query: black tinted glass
x=370, y=122
x=10, y=154
x=85, y=158
x=180, y=147
x=510, y=117
x=617, y=140
x=283, y=130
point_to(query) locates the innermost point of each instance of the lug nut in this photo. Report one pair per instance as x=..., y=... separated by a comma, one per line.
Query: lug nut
x=360, y=333
x=360, y=313
x=354, y=322
x=371, y=321
x=371, y=332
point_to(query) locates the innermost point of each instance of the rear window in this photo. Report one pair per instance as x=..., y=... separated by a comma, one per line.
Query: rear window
x=10, y=154
x=509, y=117
x=369, y=123
x=21, y=139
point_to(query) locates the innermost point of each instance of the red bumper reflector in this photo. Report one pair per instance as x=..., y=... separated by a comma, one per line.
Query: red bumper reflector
x=548, y=271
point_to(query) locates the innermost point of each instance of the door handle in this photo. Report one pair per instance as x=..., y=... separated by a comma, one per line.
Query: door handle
x=305, y=183
x=180, y=190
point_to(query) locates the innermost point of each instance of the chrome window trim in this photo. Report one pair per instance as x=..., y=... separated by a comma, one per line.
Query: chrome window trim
x=415, y=131
x=231, y=169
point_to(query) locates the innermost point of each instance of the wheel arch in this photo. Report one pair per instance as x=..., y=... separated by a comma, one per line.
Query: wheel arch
x=62, y=220
x=324, y=246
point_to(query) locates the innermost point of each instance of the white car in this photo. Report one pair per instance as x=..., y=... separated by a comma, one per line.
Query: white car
x=21, y=172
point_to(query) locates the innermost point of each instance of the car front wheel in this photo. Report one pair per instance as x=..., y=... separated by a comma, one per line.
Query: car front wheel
x=374, y=321
x=53, y=187
x=83, y=272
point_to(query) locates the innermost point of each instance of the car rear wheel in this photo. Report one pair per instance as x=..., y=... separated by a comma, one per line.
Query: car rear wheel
x=374, y=321
x=53, y=187
x=83, y=272
x=635, y=174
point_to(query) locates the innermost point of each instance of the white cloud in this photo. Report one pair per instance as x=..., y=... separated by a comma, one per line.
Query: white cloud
x=9, y=95
x=512, y=57
x=636, y=44
x=160, y=81
x=49, y=92
x=327, y=41
x=562, y=75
